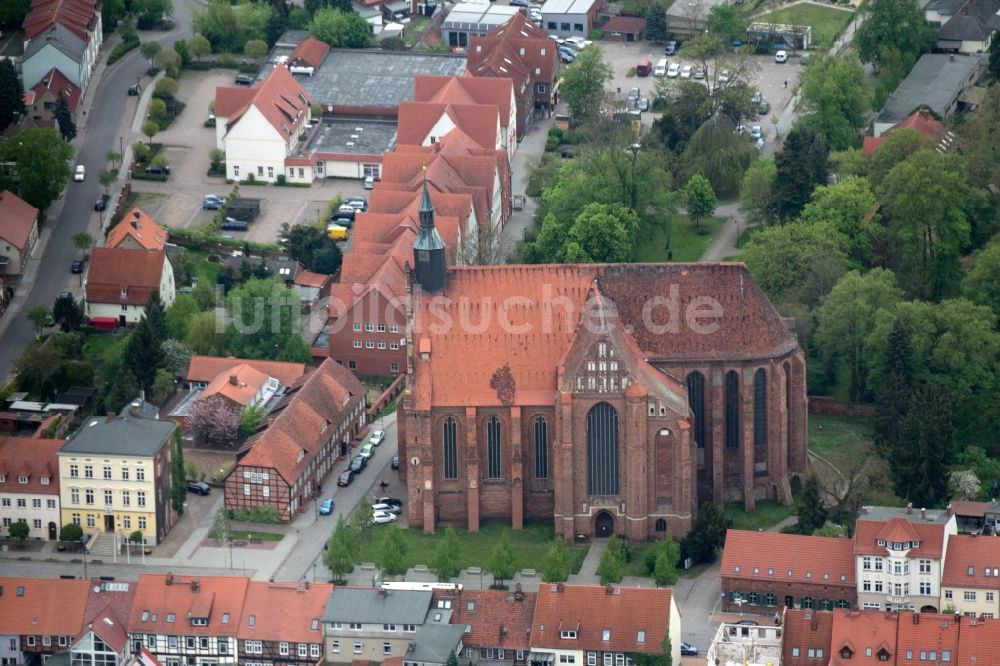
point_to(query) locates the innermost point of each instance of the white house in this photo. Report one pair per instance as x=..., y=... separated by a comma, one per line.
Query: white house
x=259, y=127
x=29, y=485
x=66, y=34
x=121, y=280
x=18, y=231
x=474, y=90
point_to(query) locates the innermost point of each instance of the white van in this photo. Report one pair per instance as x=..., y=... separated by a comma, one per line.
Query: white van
x=661, y=68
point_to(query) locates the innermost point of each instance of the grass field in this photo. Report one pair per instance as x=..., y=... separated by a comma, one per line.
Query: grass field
x=95, y=347
x=528, y=545
x=842, y=440
x=768, y=514
x=826, y=22
x=687, y=244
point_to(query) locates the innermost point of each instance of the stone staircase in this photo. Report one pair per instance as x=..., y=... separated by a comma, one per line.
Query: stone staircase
x=103, y=546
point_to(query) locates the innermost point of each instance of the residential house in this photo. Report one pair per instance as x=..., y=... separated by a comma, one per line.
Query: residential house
x=970, y=580
x=766, y=572
x=463, y=92
x=372, y=624
x=967, y=26
x=260, y=126
x=434, y=643
x=40, y=101
x=861, y=637
x=977, y=642
x=188, y=620
x=806, y=637
x=970, y=517
x=284, y=465
x=939, y=82
x=65, y=34
x=570, y=18
x=920, y=121
x=137, y=231
x=29, y=484
x=203, y=370
x=624, y=29
x=312, y=286
x=115, y=475
x=18, y=232
x=104, y=638
x=497, y=625
x=244, y=387
x=307, y=56
x=595, y=625
x=39, y=616
x=120, y=282
x=282, y=623
x=521, y=51
x=899, y=555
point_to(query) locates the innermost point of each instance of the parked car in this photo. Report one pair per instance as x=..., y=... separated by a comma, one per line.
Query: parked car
x=698, y=73
x=644, y=68
x=391, y=501
x=578, y=42
x=345, y=211
x=336, y=232
x=387, y=508
x=198, y=487
x=520, y=3
x=724, y=76
x=661, y=67
x=567, y=55
x=212, y=202
x=781, y=56
x=757, y=97
x=100, y=204
x=80, y=173
x=369, y=182
x=368, y=450
x=76, y=267
x=134, y=89
x=345, y=478
x=689, y=650
x=395, y=462
x=644, y=104
x=244, y=80
x=674, y=70
x=358, y=463
x=326, y=508
x=756, y=132
x=232, y=224
x=763, y=108
x=383, y=517
x=671, y=48
x=158, y=171
x=686, y=71
x=377, y=437
x=358, y=203
x=748, y=623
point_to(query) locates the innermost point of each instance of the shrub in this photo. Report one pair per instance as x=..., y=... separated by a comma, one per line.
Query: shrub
x=596, y=34
x=280, y=180
x=121, y=48
x=551, y=143
x=257, y=514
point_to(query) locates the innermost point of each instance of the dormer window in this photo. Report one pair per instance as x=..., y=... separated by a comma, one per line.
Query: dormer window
x=22, y=480
x=145, y=616
x=252, y=621
x=881, y=542
x=568, y=634
x=640, y=636
x=225, y=618
x=883, y=655
x=45, y=480
x=845, y=652
x=170, y=618
x=124, y=293
x=199, y=621
x=972, y=571
x=606, y=635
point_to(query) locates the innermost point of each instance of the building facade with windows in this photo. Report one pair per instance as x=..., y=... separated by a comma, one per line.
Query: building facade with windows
x=39, y=617
x=372, y=625
x=497, y=624
x=282, y=624
x=970, y=580
x=189, y=620
x=114, y=475
x=29, y=485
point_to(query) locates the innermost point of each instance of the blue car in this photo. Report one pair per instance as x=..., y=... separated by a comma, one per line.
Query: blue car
x=326, y=508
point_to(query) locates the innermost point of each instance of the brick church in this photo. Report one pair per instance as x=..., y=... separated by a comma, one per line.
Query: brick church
x=610, y=398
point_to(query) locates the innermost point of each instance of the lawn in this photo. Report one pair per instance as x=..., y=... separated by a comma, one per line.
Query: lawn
x=687, y=244
x=826, y=22
x=528, y=545
x=414, y=30
x=842, y=440
x=768, y=514
x=96, y=347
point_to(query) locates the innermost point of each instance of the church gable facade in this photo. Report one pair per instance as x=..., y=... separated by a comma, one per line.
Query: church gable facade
x=560, y=393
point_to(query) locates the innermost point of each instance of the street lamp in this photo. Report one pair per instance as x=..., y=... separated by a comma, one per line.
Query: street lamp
x=83, y=544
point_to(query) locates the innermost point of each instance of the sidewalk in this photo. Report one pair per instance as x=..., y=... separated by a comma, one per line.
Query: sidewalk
x=532, y=144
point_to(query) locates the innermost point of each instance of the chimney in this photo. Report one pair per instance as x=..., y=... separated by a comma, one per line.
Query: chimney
x=234, y=380
x=909, y=508
x=136, y=408
x=923, y=514
x=195, y=585
x=170, y=579
x=916, y=618
x=111, y=417
x=609, y=589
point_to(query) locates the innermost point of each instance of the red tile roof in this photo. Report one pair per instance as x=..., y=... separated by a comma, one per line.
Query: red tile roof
x=628, y=612
x=980, y=553
x=921, y=121
x=32, y=457
x=77, y=16
x=466, y=90
x=142, y=228
x=300, y=424
x=927, y=632
x=240, y=384
x=56, y=83
x=789, y=558
x=43, y=606
x=970, y=509
x=206, y=368
x=284, y=612
x=115, y=269
x=166, y=604
x=499, y=53
x=17, y=218
x=625, y=24
x=281, y=99
x=858, y=631
x=805, y=630
x=417, y=119
x=107, y=614
x=311, y=51
x=310, y=279
x=496, y=618
x=868, y=532
x=978, y=642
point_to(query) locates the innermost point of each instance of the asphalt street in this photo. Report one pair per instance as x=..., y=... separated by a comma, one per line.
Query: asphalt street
x=99, y=137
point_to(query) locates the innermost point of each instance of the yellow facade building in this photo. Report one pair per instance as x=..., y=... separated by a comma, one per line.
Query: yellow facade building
x=970, y=583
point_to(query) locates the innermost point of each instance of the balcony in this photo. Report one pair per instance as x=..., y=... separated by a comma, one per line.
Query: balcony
x=893, y=599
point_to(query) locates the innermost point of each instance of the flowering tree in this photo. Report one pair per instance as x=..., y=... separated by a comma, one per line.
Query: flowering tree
x=215, y=418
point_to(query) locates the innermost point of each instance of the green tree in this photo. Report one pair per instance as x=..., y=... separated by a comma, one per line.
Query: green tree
x=11, y=94
x=142, y=354
x=892, y=401
x=611, y=566
x=114, y=157
x=832, y=93
x=251, y=419
x=180, y=311
x=199, y=46
x=920, y=474
x=12, y=13
x=19, y=530
x=994, y=62
x=218, y=25
x=391, y=553
x=924, y=199
x=313, y=6
x=178, y=479
x=719, y=154
x=169, y=62
x=979, y=135
x=844, y=321
x=255, y=48
x=220, y=529
x=295, y=350
x=203, y=335
x=67, y=313
x=157, y=111
x=603, y=234
x=70, y=533
x=446, y=556
x=667, y=557
x=41, y=164
x=107, y=178
x=149, y=13
x=38, y=316
x=111, y=12
x=35, y=366
x=341, y=29
x=361, y=519
x=337, y=559
x=558, y=562
x=899, y=144
x=707, y=534
x=755, y=191
x=726, y=21
x=583, y=84
x=809, y=507
x=176, y=357
x=141, y=152
x=656, y=22
x=799, y=168
x=149, y=50
x=982, y=283
x=150, y=128
x=163, y=386
x=313, y=248
x=263, y=315
x=891, y=25
x=346, y=534
x=700, y=200
x=64, y=119
x=501, y=562
x=180, y=46
x=850, y=207
x=165, y=88
x=156, y=314
x=452, y=659
x=685, y=107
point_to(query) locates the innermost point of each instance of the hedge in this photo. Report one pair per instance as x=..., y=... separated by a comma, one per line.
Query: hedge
x=121, y=49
